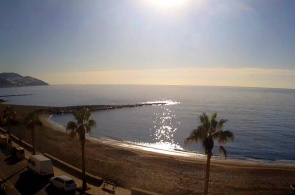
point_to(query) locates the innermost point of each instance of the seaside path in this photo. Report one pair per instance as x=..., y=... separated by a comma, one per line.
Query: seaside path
x=8, y=167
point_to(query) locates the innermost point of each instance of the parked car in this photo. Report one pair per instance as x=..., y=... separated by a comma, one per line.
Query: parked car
x=63, y=182
x=40, y=165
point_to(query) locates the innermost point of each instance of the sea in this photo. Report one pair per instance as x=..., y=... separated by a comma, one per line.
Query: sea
x=262, y=119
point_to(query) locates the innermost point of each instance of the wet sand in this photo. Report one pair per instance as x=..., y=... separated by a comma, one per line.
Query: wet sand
x=131, y=167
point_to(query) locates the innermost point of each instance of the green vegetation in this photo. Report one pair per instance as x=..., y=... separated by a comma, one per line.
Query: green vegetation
x=209, y=130
x=31, y=121
x=9, y=115
x=82, y=125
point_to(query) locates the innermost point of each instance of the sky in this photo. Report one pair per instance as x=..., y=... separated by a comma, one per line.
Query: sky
x=161, y=42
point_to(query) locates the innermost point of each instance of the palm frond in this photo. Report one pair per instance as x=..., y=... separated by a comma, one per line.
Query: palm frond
x=9, y=113
x=221, y=122
x=213, y=116
x=224, y=136
x=86, y=114
x=209, y=130
x=213, y=125
x=78, y=116
x=32, y=119
x=204, y=118
x=197, y=135
x=71, y=126
x=91, y=123
x=39, y=123
x=83, y=123
x=223, y=151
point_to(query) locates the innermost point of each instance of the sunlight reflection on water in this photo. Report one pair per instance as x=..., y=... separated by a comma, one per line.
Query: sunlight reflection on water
x=163, y=129
x=166, y=102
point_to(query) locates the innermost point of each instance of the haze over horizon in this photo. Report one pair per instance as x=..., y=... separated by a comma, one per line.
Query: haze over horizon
x=162, y=42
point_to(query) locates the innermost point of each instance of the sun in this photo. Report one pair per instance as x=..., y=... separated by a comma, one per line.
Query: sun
x=167, y=4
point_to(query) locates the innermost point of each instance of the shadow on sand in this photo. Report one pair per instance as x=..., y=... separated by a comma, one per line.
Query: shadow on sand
x=4, y=151
x=11, y=160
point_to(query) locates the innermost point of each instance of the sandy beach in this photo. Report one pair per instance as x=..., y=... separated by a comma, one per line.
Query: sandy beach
x=162, y=173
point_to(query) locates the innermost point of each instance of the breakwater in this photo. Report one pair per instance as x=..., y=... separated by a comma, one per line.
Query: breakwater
x=70, y=109
x=15, y=95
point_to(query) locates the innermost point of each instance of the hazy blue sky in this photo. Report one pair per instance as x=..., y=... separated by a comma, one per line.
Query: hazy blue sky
x=186, y=42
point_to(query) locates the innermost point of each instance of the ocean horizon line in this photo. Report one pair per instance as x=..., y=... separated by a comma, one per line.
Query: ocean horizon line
x=167, y=85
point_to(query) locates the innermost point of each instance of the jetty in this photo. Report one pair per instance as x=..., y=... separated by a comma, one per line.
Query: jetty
x=70, y=109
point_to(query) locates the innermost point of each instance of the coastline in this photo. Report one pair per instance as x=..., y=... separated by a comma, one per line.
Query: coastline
x=173, y=152
x=23, y=110
x=158, y=172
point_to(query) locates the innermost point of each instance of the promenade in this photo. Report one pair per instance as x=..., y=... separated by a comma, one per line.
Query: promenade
x=20, y=181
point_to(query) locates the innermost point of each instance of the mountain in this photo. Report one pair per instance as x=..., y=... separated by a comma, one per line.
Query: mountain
x=15, y=80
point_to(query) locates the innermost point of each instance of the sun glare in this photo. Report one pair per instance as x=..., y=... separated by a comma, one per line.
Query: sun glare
x=165, y=4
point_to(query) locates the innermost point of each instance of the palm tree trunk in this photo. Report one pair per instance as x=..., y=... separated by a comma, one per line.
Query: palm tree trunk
x=83, y=164
x=8, y=127
x=33, y=140
x=207, y=173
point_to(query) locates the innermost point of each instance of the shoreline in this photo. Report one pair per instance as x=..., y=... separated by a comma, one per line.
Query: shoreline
x=186, y=155
x=131, y=167
x=172, y=152
x=189, y=155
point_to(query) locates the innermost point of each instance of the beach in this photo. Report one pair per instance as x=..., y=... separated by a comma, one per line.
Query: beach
x=130, y=167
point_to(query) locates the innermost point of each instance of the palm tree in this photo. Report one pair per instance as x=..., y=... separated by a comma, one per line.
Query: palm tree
x=80, y=127
x=31, y=121
x=209, y=130
x=8, y=116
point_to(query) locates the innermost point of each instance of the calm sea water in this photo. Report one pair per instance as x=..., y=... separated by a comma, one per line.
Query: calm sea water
x=263, y=120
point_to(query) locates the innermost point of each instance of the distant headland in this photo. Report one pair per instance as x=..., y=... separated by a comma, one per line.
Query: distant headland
x=15, y=80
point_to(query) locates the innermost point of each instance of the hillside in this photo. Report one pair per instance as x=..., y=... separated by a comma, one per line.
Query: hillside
x=16, y=80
